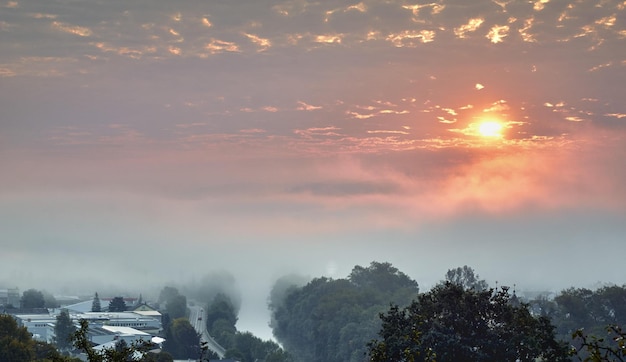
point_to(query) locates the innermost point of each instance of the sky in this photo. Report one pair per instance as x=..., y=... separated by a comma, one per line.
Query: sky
x=152, y=142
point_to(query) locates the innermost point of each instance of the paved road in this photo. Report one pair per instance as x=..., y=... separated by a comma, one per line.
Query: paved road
x=197, y=318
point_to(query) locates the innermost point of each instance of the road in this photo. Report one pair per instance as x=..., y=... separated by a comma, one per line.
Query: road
x=197, y=318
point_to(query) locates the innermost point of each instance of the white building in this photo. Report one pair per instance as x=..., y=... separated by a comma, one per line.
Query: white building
x=140, y=326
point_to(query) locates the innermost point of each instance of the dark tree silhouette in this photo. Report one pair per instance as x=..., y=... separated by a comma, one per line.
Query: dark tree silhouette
x=95, y=305
x=117, y=304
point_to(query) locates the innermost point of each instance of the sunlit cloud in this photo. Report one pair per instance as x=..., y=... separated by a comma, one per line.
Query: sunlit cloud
x=574, y=119
x=607, y=21
x=328, y=38
x=135, y=53
x=360, y=7
x=303, y=106
x=502, y=4
x=12, y=5
x=393, y=111
x=358, y=115
x=216, y=46
x=387, y=132
x=600, y=66
x=6, y=72
x=524, y=31
x=317, y=132
x=435, y=8
x=191, y=125
x=540, y=4
x=471, y=26
x=262, y=43
x=408, y=38
x=206, y=22
x=497, y=33
x=616, y=115
x=499, y=106
x=72, y=29
x=446, y=121
x=39, y=67
x=449, y=111
x=43, y=16
x=367, y=108
x=253, y=130
x=479, y=86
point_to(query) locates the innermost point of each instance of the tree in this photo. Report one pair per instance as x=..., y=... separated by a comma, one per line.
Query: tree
x=32, y=298
x=49, y=300
x=594, y=349
x=381, y=276
x=465, y=277
x=45, y=352
x=223, y=310
x=176, y=306
x=332, y=320
x=17, y=345
x=182, y=341
x=167, y=293
x=63, y=330
x=15, y=342
x=247, y=347
x=451, y=323
x=117, y=304
x=158, y=357
x=95, y=305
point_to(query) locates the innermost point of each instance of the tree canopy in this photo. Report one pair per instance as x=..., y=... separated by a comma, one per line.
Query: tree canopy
x=63, y=330
x=466, y=278
x=176, y=306
x=182, y=341
x=333, y=319
x=32, y=298
x=117, y=304
x=17, y=345
x=452, y=323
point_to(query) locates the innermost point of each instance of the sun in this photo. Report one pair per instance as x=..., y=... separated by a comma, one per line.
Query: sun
x=490, y=128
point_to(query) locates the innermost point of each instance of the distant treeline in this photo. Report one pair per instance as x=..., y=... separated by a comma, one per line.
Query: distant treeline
x=339, y=320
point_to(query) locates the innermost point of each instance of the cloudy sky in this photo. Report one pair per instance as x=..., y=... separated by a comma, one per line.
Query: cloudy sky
x=158, y=140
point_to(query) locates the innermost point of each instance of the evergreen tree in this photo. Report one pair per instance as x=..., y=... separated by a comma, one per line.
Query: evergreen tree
x=117, y=304
x=95, y=306
x=63, y=330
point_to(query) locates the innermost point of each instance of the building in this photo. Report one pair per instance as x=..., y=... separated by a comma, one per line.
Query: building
x=42, y=325
x=10, y=297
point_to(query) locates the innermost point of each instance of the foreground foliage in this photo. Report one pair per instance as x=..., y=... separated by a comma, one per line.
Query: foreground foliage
x=451, y=323
x=597, y=349
x=17, y=345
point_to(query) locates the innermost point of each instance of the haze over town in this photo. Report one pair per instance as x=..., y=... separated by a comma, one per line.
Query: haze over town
x=149, y=143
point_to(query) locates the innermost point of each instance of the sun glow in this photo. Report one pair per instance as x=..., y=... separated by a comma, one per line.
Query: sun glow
x=490, y=129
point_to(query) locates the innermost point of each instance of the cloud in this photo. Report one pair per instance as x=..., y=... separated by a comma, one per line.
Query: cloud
x=471, y=26
x=72, y=29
